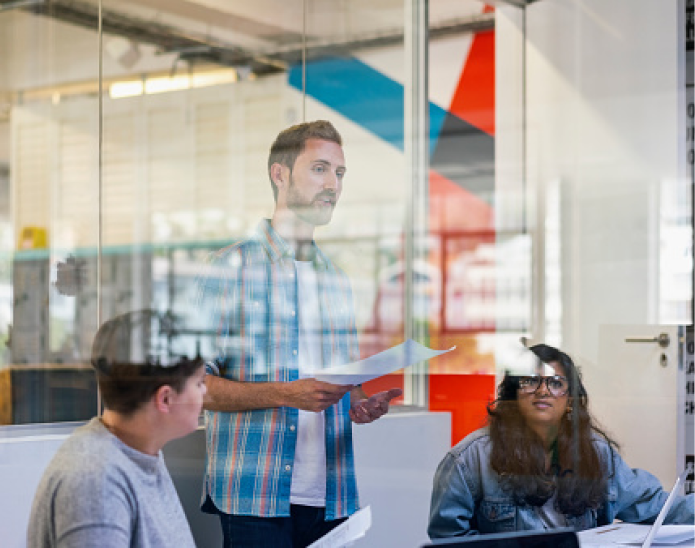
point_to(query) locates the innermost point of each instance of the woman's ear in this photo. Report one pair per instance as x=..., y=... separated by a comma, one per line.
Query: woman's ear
x=163, y=398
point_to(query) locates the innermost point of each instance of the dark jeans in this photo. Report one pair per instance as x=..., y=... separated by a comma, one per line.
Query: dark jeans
x=305, y=525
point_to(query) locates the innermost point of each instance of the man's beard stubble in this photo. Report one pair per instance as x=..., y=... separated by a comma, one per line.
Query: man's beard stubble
x=307, y=211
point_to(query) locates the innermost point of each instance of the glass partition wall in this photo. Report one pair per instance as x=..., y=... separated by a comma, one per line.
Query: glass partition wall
x=594, y=184
x=516, y=169
x=135, y=142
x=50, y=217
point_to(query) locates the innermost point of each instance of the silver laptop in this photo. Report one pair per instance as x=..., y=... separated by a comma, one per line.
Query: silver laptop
x=664, y=511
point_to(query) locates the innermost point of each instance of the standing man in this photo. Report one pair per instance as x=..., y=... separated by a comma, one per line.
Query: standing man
x=280, y=468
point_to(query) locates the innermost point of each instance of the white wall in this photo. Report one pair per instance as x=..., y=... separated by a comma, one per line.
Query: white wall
x=604, y=116
x=4, y=142
x=24, y=454
x=395, y=458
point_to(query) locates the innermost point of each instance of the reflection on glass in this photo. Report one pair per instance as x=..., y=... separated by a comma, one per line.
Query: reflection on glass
x=49, y=216
x=544, y=230
x=187, y=115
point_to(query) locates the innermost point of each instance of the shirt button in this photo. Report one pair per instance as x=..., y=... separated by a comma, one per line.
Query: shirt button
x=294, y=352
x=292, y=428
x=294, y=313
x=288, y=468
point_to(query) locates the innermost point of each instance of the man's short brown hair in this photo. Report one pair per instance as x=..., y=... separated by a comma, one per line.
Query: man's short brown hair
x=291, y=142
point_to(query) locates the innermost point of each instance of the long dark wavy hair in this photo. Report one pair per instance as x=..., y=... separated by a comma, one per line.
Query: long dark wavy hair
x=577, y=476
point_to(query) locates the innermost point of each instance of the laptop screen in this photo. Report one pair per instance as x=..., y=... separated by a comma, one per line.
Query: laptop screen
x=664, y=510
x=558, y=538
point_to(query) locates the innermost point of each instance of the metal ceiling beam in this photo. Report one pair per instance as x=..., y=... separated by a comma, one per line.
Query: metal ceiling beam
x=193, y=47
x=7, y=5
x=317, y=49
x=197, y=11
x=165, y=37
x=517, y=3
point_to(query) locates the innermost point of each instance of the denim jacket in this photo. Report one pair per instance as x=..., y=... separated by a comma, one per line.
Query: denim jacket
x=467, y=497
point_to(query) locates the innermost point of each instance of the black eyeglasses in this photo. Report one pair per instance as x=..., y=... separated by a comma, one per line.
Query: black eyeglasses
x=558, y=385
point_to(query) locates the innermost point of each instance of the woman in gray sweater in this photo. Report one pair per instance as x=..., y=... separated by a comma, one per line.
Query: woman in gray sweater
x=108, y=485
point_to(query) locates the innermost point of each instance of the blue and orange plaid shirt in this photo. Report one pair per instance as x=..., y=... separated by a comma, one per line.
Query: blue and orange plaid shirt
x=249, y=294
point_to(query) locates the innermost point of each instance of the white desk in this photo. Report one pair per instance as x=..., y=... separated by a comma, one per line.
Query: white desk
x=606, y=536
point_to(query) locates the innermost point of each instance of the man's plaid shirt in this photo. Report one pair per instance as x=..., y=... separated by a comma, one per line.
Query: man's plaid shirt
x=249, y=298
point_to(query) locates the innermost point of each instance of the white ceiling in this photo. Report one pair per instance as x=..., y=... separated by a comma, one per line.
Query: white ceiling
x=264, y=25
x=52, y=49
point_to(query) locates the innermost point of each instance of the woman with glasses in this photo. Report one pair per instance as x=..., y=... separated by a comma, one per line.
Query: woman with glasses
x=541, y=463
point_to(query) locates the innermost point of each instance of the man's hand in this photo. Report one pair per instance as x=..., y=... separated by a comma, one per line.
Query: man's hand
x=365, y=410
x=313, y=395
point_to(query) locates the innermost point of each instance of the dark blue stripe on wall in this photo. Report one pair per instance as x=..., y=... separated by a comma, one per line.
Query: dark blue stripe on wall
x=364, y=95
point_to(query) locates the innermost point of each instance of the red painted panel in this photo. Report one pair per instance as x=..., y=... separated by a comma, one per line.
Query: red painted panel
x=474, y=99
x=455, y=208
x=393, y=380
x=466, y=397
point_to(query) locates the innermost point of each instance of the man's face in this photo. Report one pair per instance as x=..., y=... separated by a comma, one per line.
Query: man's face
x=316, y=181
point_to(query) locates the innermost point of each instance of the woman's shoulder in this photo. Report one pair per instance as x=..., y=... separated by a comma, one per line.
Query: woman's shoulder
x=601, y=441
x=477, y=441
x=605, y=447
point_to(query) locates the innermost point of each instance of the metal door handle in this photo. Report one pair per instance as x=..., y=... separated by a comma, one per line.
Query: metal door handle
x=663, y=340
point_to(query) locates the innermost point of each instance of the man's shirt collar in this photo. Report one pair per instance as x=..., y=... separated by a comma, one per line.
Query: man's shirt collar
x=278, y=249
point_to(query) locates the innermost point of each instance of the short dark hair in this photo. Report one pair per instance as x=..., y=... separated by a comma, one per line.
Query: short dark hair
x=290, y=143
x=130, y=367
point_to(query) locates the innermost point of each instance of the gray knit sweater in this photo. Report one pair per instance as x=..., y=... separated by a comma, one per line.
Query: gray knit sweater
x=98, y=491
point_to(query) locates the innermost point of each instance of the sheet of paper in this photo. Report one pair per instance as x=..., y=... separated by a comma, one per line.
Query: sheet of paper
x=388, y=361
x=621, y=534
x=348, y=531
x=666, y=535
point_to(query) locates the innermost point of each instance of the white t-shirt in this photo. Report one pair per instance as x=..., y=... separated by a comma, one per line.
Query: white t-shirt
x=309, y=474
x=552, y=518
